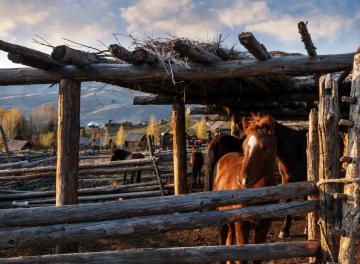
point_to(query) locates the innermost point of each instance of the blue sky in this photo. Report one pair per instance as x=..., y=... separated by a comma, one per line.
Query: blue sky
x=334, y=24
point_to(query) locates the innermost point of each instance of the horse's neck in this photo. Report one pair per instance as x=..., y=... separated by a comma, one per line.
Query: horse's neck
x=291, y=144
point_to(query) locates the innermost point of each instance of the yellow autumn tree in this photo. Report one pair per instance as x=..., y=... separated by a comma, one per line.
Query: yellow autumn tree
x=153, y=130
x=120, y=137
x=12, y=122
x=201, y=129
x=47, y=140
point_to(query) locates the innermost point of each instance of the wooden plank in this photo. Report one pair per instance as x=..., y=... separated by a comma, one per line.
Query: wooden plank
x=203, y=254
x=179, y=147
x=351, y=210
x=312, y=153
x=287, y=65
x=25, y=236
x=329, y=166
x=162, y=205
x=68, y=142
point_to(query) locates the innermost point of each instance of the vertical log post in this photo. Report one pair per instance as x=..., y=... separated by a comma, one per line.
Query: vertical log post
x=68, y=134
x=235, y=123
x=351, y=211
x=179, y=147
x=312, y=153
x=68, y=142
x=329, y=167
x=5, y=143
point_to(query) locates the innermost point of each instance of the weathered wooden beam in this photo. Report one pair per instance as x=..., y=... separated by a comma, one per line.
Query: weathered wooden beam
x=312, y=154
x=76, y=57
x=121, y=53
x=141, y=55
x=84, y=166
x=203, y=254
x=220, y=70
x=194, y=53
x=259, y=51
x=68, y=142
x=329, y=167
x=306, y=38
x=143, y=207
x=351, y=211
x=179, y=147
x=25, y=236
x=29, y=57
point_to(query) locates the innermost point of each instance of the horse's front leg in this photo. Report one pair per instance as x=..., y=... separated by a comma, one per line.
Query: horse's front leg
x=125, y=175
x=261, y=230
x=242, y=230
x=285, y=230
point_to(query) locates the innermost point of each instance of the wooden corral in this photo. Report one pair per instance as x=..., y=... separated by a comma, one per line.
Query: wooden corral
x=231, y=84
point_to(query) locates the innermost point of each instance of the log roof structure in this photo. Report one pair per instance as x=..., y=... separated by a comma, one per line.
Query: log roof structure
x=225, y=80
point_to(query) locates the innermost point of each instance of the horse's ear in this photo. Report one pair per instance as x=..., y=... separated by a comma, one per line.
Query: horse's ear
x=244, y=123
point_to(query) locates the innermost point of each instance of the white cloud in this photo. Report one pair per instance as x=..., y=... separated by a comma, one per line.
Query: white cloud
x=320, y=26
x=243, y=13
x=183, y=18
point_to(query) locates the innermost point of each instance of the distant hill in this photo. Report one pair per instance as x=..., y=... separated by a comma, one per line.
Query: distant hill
x=99, y=103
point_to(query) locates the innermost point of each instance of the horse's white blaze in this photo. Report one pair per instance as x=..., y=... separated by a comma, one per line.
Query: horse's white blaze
x=252, y=143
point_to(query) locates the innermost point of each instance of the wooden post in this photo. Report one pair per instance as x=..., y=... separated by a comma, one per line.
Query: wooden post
x=68, y=142
x=312, y=153
x=351, y=213
x=68, y=135
x=329, y=167
x=235, y=124
x=150, y=143
x=179, y=147
x=5, y=143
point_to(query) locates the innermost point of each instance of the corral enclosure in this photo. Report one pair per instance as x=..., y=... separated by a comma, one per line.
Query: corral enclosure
x=232, y=85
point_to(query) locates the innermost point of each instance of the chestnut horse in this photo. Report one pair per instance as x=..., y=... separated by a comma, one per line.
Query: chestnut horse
x=291, y=154
x=196, y=163
x=120, y=154
x=253, y=169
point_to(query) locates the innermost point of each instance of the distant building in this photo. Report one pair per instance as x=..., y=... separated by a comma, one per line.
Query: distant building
x=135, y=140
x=18, y=145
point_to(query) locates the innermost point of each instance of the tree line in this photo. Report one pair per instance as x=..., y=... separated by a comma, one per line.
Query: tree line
x=39, y=128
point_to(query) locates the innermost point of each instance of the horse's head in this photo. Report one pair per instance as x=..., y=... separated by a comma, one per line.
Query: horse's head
x=259, y=150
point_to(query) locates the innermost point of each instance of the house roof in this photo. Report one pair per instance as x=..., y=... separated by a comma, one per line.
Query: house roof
x=135, y=136
x=15, y=145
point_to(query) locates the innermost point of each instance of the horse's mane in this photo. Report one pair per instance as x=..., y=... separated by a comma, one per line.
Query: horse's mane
x=259, y=122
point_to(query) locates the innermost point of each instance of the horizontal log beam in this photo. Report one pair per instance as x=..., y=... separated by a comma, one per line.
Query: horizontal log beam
x=84, y=166
x=220, y=70
x=29, y=57
x=66, y=233
x=203, y=254
x=169, y=204
x=194, y=53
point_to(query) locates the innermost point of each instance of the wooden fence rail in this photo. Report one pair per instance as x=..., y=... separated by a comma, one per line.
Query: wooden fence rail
x=69, y=233
x=204, y=254
x=142, y=207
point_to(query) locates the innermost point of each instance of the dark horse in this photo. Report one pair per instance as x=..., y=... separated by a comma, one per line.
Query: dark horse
x=120, y=154
x=291, y=154
x=218, y=147
x=196, y=163
x=254, y=169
